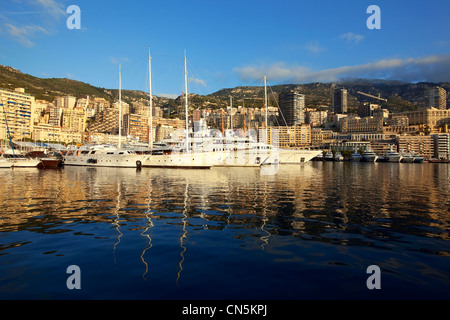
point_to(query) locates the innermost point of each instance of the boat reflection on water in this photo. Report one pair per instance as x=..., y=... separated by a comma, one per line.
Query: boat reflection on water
x=221, y=233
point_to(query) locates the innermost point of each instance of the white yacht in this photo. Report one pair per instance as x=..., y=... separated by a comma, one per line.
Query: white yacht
x=393, y=156
x=338, y=156
x=103, y=155
x=181, y=152
x=356, y=156
x=329, y=156
x=319, y=157
x=288, y=156
x=407, y=157
x=211, y=148
x=4, y=163
x=417, y=158
x=18, y=160
x=369, y=156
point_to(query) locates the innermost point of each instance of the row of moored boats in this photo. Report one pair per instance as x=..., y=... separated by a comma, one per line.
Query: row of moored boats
x=370, y=156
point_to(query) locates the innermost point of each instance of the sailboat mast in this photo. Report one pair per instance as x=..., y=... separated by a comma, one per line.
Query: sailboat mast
x=265, y=105
x=120, y=108
x=150, y=133
x=231, y=112
x=186, y=101
x=7, y=128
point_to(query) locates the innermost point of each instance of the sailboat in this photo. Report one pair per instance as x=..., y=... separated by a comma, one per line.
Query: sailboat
x=105, y=155
x=14, y=158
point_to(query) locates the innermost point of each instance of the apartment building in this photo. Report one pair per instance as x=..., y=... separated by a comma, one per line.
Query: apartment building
x=442, y=146
x=366, y=124
x=18, y=111
x=136, y=126
x=292, y=105
x=339, y=104
x=422, y=145
x=289, y=136
x=74, y=119
x=431, y=117
x=438, y=98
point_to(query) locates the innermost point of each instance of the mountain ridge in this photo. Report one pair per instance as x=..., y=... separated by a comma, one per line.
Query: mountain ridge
x=401, y=95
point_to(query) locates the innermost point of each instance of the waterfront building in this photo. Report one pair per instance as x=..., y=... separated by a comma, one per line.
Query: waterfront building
x=350, y=145
x=18, y=110
x=438, y=98
x=422, y=145
x=442, y=146
x=381, y=147
x=339, y=101
x=292, y=105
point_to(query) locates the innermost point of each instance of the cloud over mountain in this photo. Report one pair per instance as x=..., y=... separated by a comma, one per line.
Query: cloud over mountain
x=434, y=68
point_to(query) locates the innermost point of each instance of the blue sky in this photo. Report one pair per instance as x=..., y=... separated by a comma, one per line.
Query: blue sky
x=228, y=43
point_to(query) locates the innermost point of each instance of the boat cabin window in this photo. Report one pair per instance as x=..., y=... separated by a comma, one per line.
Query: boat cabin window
x=110, y=153
x=84, y=152
x=92, y=152
x=120, y=152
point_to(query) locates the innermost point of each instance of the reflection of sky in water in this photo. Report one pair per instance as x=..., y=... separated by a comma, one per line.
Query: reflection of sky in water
x=308, y=231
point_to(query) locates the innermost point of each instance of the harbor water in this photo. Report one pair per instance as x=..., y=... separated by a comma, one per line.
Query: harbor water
x=307, y=231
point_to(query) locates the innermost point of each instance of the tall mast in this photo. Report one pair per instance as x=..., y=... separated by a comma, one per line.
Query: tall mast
x=186, y=101
x=266, y=107
x=150, y=133
x=231, y=112
x=120, y=108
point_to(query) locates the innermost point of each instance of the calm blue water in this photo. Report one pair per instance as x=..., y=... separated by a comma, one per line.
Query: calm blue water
x=302, y=232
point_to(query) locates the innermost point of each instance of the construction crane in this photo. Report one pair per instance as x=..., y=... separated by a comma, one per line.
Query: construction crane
x=371, y=96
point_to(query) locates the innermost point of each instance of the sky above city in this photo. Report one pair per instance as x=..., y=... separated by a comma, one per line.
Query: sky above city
x=227, y=43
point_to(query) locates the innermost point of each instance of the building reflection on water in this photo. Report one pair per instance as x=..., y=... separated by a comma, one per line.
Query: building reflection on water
x=320, y=201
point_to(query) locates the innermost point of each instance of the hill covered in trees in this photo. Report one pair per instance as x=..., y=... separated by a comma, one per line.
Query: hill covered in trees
x=400, y=96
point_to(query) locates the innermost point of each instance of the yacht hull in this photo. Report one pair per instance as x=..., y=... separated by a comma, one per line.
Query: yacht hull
x=287, y=156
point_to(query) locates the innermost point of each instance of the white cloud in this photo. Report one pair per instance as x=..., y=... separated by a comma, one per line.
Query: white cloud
x=314, y=47
x=45, y=15
x=434, y=68
x=115, y=60
x=197, y=81
x=52, y=7
x=351, y=37
x=24, y=33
